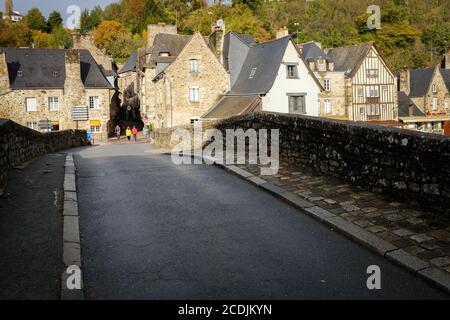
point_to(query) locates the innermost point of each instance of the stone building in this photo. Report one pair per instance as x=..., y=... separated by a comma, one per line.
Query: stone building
x=428, y=91
x=183, y=79
x=41, y=85
x=358, y=84
x=270, y=76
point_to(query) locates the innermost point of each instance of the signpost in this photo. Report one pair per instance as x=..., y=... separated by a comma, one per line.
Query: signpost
x=45, y=125
x=80, y=113
x=90, y=137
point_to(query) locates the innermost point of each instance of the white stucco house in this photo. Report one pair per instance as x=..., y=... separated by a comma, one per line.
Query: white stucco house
x=273, y=77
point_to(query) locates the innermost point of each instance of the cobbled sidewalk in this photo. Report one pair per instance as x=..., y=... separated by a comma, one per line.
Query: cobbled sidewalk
x=420, y=233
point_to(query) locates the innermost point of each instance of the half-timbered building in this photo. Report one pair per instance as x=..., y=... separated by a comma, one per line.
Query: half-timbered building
x=358, y=85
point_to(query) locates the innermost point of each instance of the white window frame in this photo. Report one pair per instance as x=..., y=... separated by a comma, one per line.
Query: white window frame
x=53, y=103
x=373, y=110
x=193, y=66
x=294, y=73
x=94, y=102
x=328, y=107
x=434, y=104
x=31, y=108
x=252, y=73
x=372, y=73
x=434, y=88
x=194, y=94
x=372, y=91
x=327, y=84
x=33, y=125
x=360, y=91
x=96, y=129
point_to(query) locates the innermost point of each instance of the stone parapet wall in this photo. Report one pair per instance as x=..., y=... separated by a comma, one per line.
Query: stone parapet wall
x=19, y=144
x=411, y=165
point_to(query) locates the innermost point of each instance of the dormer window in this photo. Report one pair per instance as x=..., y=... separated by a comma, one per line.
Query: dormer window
x=434, y=88
x=252, y=73
x=321, y=65
x=164, y=54
x=20, y=73
x=55, y=74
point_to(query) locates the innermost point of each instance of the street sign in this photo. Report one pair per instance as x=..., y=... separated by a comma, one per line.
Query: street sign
x=45, y=125
x=80, y=113
x=90, y=136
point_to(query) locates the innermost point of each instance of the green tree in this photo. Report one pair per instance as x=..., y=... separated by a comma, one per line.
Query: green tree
x=89, y=20
x=54, y=20
x=437, y=37
x=35, y=20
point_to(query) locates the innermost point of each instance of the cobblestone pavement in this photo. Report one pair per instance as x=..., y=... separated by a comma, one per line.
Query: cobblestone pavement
x=421, y=233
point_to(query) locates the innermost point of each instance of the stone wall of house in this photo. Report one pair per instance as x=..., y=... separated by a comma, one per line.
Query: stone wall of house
x=211, y=79
x=19, y=144
x=410, y=165
x=4, y=77
x=426, y=103
x=13, y=102
x=336, y=95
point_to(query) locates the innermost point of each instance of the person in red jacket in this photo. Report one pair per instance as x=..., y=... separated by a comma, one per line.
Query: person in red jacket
x=134, y=131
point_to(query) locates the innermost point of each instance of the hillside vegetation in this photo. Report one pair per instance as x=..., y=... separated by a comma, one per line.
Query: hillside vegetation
x=413, y=33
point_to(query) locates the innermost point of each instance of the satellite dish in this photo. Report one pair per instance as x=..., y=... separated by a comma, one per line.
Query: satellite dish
x=219, y=23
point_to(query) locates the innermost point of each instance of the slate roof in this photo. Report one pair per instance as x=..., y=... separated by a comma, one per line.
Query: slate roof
x=264, y=61
x=171, y=43
x=38, y=67
x=404, y=102
x=348, y=59
x=130, y=65
x=230, y=106
x=244, y=40
x=312, y=51
x=446, y=76
x=420, y=80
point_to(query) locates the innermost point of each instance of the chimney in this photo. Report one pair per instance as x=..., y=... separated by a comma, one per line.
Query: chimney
x=4, y=76
x=404, y=81
x=216, y=39
x=154, y=29
x=411, y=110
x=283, y=32
x=76, y=38
x=447, y=60
x=8, y=8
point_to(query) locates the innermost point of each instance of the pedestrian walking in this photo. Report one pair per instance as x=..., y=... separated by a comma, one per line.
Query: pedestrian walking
x=134, y=131
x=117, y=130
x=128, y=133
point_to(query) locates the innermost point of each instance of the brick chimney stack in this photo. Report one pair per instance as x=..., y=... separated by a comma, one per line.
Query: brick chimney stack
x=73, y=86
x=216, y=39
x=404, y=81
x=8, y=7
x=283, y=32
x=154, y=29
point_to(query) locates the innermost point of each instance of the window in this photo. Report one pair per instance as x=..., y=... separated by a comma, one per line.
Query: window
x=95, y=129
x=252, y=73
x=55, y=74
x=53, y=103
x=385, y=87
x=193, y=66
x=435, y=103
x=31, y=104
x=327, y=84
x=360, y=92
x=373, y=110
x=297, y=104
x=33, y=125
x=292, y=71
x=362, y=110
x=94, y=102
x=372, y=92
x=194, y=95
x=164, y=54
x=321, y=65
x=434, y=88
x=20, y=73
x=327, y=107
x=446, y=106
x=372, y=73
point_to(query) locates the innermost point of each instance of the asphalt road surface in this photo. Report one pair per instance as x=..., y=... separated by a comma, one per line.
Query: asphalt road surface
x=154, y=230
